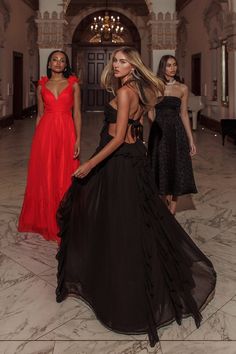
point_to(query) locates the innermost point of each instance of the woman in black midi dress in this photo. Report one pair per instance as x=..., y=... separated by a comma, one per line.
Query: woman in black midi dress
x=170, y=143
x=121, y=250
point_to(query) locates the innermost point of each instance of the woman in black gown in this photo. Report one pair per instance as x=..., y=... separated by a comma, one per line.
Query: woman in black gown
x=121, y=250
x=170, y=143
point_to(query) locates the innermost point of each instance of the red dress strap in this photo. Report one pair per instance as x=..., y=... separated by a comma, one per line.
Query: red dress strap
x=43, y=80
x=73, y=79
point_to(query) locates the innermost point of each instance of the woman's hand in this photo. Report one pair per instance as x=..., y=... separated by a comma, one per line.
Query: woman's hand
x=83, y=170
x=193, y=149
x=77, y=149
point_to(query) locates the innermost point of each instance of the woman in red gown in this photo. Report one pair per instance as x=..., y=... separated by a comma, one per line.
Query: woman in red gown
x=55, y=147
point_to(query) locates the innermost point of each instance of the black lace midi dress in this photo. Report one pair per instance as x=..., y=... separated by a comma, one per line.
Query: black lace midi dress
x=121, y=250
x=169, y=152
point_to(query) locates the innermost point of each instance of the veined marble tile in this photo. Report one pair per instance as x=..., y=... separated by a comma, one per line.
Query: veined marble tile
x=222, y=246
x=11, y=273
x=176, y=332
x=106, y=347
x=200, y=233
x=198, y=347
x=20, y=347
x=35, y=254
x=226, y=199
x=8, y=231
x=85, y=329
x=205, y=193
x=210, y=215
x=225, y=290
x=28, y=310
x=220, y=326
x=224, y=267
x=50, y=276
x=226, y=281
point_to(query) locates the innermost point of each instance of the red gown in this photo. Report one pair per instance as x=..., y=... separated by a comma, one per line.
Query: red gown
x=51, y=163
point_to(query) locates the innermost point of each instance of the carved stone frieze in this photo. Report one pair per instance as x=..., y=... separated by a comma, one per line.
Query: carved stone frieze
x=51, y=29
x=215, y=20
x=162, y=30
x=66, y=4
x=4, y=20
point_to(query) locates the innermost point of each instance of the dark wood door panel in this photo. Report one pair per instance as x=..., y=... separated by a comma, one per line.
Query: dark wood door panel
x=17, y=84
x=93, y=95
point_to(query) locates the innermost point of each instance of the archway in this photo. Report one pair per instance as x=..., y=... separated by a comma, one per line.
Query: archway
x=90, y=55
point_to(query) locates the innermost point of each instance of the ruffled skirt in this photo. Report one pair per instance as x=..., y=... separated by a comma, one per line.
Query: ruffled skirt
x=124, y=254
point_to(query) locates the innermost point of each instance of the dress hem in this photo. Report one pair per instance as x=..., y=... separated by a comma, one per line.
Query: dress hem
x=208, y=299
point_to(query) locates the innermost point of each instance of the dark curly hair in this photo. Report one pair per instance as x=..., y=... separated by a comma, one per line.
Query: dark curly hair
x=67, y=71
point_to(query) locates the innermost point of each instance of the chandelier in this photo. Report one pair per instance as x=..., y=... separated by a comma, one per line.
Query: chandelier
x=107, y=27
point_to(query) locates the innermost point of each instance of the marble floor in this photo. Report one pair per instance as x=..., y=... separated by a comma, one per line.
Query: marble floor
x=30, y=319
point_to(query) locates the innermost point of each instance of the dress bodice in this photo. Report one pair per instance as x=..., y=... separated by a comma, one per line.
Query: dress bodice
x=110, y=114
x=64, y=101
x=171, y=103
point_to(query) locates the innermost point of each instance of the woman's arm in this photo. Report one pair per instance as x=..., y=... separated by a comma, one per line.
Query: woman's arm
x=77, y=118
x=40, y=104
x=186, y=121
x=124, y=96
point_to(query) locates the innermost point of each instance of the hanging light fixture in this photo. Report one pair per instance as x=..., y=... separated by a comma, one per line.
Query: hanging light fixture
x=106, y=26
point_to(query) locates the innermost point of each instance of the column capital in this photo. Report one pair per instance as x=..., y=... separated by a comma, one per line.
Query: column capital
x=162, y=28
x=51, y=29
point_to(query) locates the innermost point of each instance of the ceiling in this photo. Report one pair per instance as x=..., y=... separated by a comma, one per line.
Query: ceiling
x=180, y=4
x=138, y=6
x=34, y=4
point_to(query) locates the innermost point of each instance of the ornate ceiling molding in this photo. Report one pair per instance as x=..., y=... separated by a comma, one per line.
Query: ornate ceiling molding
x=34, y=4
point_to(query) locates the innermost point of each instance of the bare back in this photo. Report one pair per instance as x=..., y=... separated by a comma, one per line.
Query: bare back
x=132, y=111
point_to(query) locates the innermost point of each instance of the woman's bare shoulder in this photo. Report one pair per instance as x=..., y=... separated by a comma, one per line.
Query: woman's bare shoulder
x=127, y=90
x=183, y=87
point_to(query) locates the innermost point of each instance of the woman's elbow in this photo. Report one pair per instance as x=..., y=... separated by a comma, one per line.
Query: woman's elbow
x=119, y=140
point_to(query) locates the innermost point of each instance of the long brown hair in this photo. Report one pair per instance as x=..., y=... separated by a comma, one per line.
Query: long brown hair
x=161, y=71
x=148, y=86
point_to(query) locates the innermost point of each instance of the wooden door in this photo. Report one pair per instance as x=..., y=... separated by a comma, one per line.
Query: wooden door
x=17, y=85
x=196, y=74
x=94, y=97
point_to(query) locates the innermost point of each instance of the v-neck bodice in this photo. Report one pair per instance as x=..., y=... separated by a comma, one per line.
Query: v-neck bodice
x=65, y=99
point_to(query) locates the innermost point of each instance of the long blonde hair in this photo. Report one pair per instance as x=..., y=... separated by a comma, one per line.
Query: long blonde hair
x=149, y=87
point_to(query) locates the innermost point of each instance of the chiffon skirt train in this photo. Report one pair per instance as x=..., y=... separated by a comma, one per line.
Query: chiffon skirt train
x=122, y=251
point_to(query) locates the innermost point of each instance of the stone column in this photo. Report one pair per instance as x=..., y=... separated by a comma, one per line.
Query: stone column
x=162, y=28
x=4, y=21
x=51, y=30
x=230, y=29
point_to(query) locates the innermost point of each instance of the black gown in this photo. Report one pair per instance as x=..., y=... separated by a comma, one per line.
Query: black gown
x=168, y=149
x=122, y=251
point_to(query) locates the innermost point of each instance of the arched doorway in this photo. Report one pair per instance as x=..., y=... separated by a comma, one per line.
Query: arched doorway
x=90, y=54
